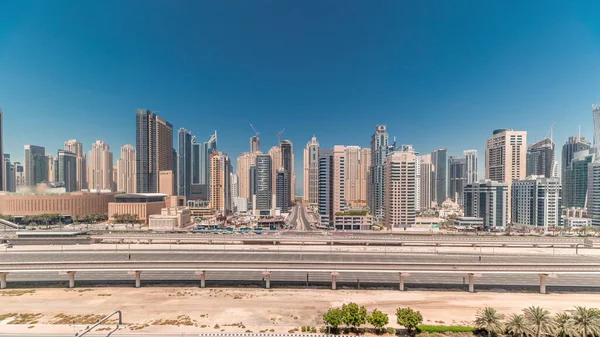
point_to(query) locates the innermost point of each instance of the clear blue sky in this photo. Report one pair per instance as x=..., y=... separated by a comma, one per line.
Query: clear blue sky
x=438, y=73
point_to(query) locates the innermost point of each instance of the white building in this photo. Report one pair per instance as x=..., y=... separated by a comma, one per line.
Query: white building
x=240, y=204
x=593, y=192
x=536, y=201
x=399, y=194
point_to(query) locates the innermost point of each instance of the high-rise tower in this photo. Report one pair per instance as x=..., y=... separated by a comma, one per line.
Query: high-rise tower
x=126, y=170
x=379, y=151
x=184, y=163
x=100, y=169
x=311, y=171
x=75, y=146
x=154, y=149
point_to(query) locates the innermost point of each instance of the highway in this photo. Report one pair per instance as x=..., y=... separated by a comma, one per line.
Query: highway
x=294, y=269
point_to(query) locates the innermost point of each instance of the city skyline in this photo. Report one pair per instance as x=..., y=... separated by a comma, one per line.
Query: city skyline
x=385, y=71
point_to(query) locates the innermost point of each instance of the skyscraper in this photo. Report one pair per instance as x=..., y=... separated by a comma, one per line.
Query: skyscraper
x=208, y=148
x=35, y=168
x=325, y=201
x=352, y=174
x=254, y=144
x=575, y=183
x=506, y=158
x=593, y=203
x=540, y=158
x=471, y=159
x=154, y=150
x=438, y=181
x=338, y=179
x=311, y=171
x=263, y=184
x=364, y=170
x=379, y=151
x=75, y=146
x=244, y=162
x=425, y=175
x=196, y=150
x=9, y=182
x=287, y=162
x=19, y=172
x=51, y=168
x=3, y=171
x=596, y=119
x=126, y=170
x=488, y=200
x=220, y=185
x=536, y=202
x=184, y=163
x=457, y=177
x=573, y=145
x=399, y=195
x=282, y=190
x=100, y=172
x=275, y=153
x=67, y=170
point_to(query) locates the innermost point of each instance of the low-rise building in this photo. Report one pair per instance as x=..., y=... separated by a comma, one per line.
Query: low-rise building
x=578, y=222
x=468, y=223
x=362, y=222
x=74, y=204
x=170, y=218
x=141, y=204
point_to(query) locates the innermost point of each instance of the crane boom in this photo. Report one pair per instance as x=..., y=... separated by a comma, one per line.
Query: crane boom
x=255, y=131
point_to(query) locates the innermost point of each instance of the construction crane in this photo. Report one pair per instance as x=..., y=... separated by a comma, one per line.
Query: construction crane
x=255, y=131
x=279, y=136
x=549, y=134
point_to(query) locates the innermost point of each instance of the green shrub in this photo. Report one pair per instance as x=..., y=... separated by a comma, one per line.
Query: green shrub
x=303, y=328
x=391, y=330
x=445, y=328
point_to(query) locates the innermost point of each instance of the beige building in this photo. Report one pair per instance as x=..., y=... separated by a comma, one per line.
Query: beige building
x=399, y=172
x=425, y=174
x=75, y=204
x=164, y=153
x=166, y=183
x=365, y=164
x=352, y=174
x=126, y=170
x=243, y=173
x=75, y=146
x=311, y=172
x=220, y=189
x=141, y=204
x=170, y=218
x=100, y=171
x=506, y=158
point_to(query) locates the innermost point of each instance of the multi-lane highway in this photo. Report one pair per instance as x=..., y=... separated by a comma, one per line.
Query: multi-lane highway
x=302, y=269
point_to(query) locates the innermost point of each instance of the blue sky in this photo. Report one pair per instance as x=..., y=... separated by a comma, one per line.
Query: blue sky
x=438, y=73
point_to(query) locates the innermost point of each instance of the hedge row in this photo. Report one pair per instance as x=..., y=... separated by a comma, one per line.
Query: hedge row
x=445, y=328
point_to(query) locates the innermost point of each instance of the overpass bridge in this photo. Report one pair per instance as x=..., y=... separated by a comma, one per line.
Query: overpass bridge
x=269, y=267
x=357, y=239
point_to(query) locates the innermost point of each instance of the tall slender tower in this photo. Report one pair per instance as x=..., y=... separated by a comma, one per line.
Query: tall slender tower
x=596, y=117
x=352, y=174
x=184, y=163
x=154, y=149
x=365, y=166
x=75, y=146
x=100, y=172
x=311, y=171
x=471, y=158
x=425, y=175
x=438, y=181
x=379, y=151
x=457, y=176
x=287, y=162
x=220, y=184
x=126, y=170
x=244, y=162
x=67, y=169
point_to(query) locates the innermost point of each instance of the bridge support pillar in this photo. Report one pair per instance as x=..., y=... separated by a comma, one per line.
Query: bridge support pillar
x=71, y=279
x=267, y=276
x=334, y=276
x=138, y=280
x=149, y=241
x=543, y=283
x=202, y=278
x=3, y=280
x=402, y=275
x=471, y=283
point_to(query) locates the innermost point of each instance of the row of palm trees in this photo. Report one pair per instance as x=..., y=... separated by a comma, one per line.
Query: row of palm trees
x=538, y=322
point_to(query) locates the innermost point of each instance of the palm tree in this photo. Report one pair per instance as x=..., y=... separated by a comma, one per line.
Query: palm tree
x=516, y=325
x=586, y=321
x=563, y=326
x=539, y=320
x=490, y=320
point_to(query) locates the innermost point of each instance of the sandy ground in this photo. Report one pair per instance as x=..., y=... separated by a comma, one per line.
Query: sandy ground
x=257, y=309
